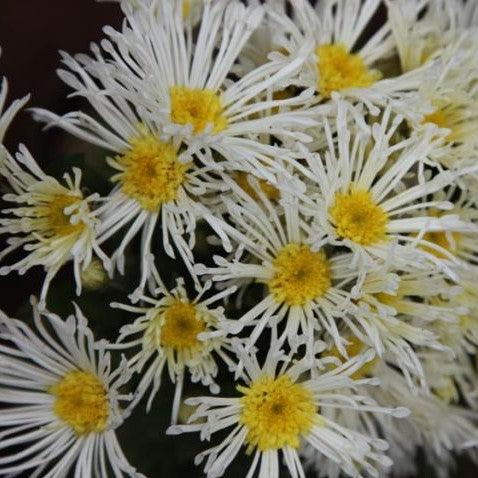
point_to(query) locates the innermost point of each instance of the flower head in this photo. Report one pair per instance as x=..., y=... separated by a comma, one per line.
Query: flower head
x=66, y=399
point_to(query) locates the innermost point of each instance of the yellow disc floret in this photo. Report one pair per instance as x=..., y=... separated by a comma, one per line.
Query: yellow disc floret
x=437, y=117
x=447, y=240
x=339, y=69
x=276, y=413
x=150, y=172
x=94, y=276
x=300, y=275
x=186, y=8
x=198, y=108
x=455, y=116
x=181, y=326
x=81, y=402
x=353, y=348
x=357, y=217
x=268, y=189
x=444, y=239
x=58, y=222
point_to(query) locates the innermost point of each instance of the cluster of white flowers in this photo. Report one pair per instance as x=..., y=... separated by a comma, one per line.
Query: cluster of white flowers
x=332, y=153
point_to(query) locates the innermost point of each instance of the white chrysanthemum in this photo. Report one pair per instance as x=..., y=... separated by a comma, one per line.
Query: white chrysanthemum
x=183, y=85
x=305, y=289
x=183, y=335
x=168, y=92
x=365, y=201
x=51, y=222
x=452, y=245
x=450, y=90
x=438, y=426
x=156, y=184
x=395, y=317
x=63, y=401
x=279, y=410
x=339, y=61
x=421, y=29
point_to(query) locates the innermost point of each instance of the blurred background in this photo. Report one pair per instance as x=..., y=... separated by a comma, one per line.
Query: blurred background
x=31, y=33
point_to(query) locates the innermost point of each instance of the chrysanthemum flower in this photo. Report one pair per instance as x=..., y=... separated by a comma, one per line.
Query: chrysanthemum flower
x=168, y=95
x=180, y=85
x=279, y=410
x=53, y=223
x=63, y=401
x=339, y=61
x=156, y=184
x=304, y=288
x=363, y=202
x=450, y=90
x=395, y=315
x=178, y=333
x=421, y=29
x=437, y=426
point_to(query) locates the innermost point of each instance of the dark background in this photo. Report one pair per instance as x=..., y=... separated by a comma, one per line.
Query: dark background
x=31, y=33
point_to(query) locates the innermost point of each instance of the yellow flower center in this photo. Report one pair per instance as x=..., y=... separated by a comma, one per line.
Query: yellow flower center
x=447, y=240
x=357, y=217
x=300, y=275
x=354, y=348
x=448, y=393
x=198, y=108
x=150, y=172
x=186, y=8
x=388, y=299
x=181, y=326
x=94, y=276
x=454, y=116
x=270, y=191
x=338, y=70
x=276, y=413
x=59, y=222
x=438, y=117
x=81, y=402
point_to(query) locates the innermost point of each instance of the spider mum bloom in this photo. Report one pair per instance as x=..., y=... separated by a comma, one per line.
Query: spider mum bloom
x=396, y=314
x=177, y=80
x=278, y=411
x=454, y=101
x=63, y=400
x=421, y=30
x=437, y=425
x=166, y=117
x=53, y=223
x=338, y=61
x=180, y=334
x=156, y=184
x=362, y=202
x=452, y=245
x=303, y=287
